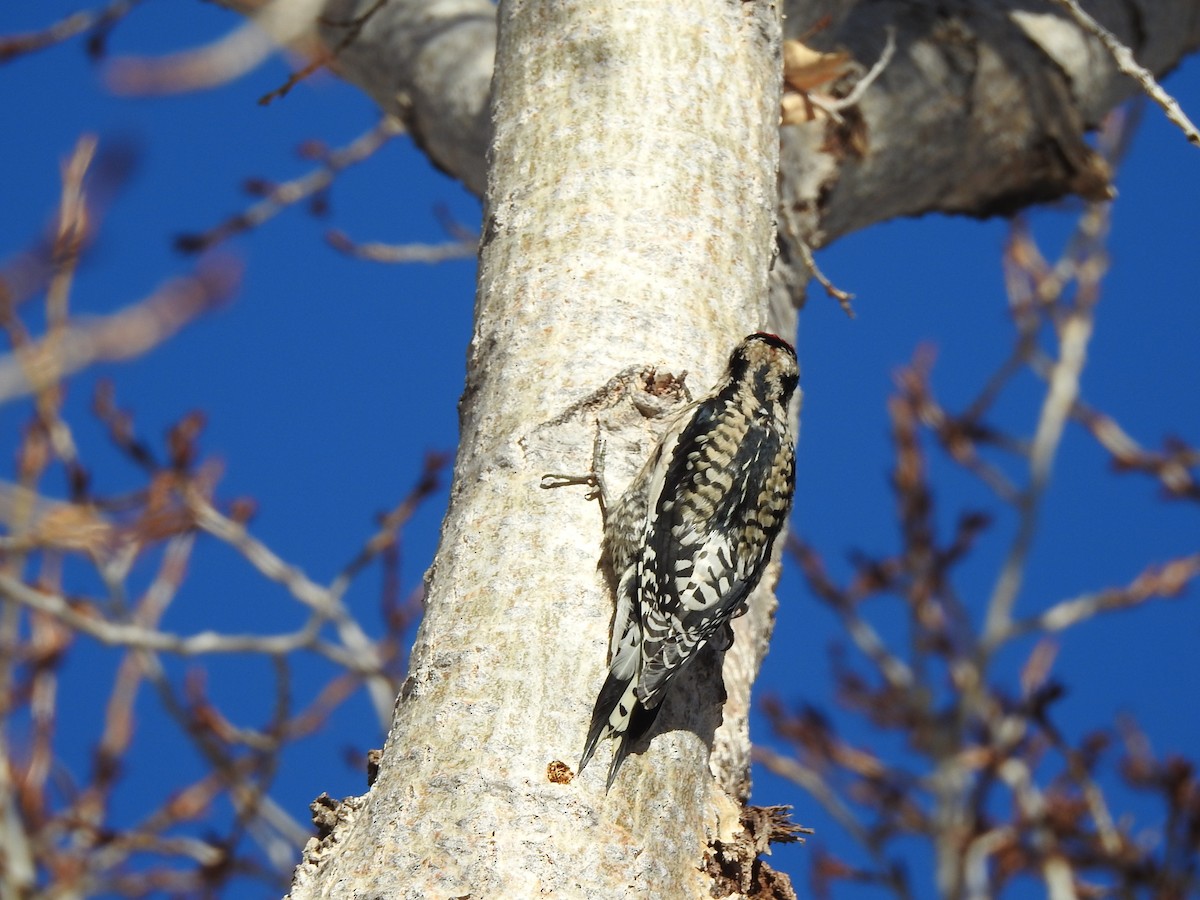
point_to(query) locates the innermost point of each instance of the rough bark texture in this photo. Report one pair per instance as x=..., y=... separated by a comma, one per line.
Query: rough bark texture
x=629, y=223
x=981, y=110
x=628, y=220
x=430, y=63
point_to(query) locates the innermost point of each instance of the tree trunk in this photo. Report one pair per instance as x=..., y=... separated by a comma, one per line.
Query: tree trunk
x=628, y=224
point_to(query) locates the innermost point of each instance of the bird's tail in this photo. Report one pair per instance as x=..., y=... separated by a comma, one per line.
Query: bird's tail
x=618, y=714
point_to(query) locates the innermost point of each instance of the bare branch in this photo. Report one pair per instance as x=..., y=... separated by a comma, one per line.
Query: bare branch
x=404, y=253
x=277, y=23
x=1074, y=333
x=116, y=634
x=361, y=653
x=1125, y=61
x=122, y=335
x=64, y=29
x=280, y=197
x=1166, y=580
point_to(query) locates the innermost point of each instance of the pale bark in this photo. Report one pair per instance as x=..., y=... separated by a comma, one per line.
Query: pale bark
x=629, y=222
x=428, y=61
x=983, y=108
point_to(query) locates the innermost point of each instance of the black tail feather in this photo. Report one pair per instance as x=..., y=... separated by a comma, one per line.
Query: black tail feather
x=639, y=723
x=617, y=713
x=610, y=695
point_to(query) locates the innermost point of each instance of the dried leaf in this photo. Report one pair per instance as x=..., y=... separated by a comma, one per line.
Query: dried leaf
x=805, y=69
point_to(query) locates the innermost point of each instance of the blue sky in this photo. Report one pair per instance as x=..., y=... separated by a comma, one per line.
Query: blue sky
x=328, y=379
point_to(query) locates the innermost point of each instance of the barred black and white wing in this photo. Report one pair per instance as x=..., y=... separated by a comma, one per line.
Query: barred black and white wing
x=709, y=543
x=692, y=535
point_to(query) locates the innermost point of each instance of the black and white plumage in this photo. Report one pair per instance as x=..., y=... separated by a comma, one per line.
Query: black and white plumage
x=692, y=535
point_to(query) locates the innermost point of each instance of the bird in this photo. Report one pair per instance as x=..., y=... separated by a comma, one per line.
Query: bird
x=692, y=535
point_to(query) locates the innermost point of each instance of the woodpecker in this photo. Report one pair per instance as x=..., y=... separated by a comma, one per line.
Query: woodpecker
x=692, y=535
